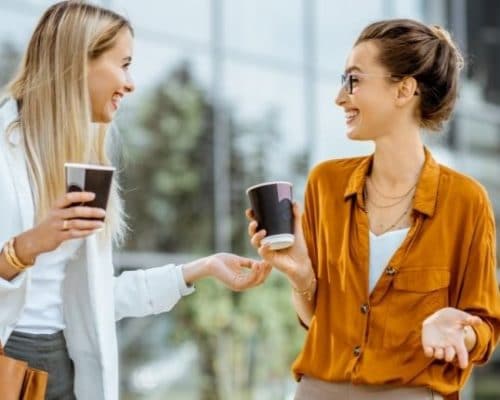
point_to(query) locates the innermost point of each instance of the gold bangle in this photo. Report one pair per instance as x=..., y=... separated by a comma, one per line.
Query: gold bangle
x=8, y=257
x=15, y=256
x=12, y=258
x=308, y=292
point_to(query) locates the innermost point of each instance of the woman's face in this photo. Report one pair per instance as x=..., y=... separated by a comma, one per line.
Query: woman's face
x=371, y=107
x=109, y=79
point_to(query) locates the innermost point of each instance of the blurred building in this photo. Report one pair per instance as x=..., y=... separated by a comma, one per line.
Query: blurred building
x=275, y=67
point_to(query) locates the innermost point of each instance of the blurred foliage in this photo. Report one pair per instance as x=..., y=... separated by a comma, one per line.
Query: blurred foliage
x=243, y=339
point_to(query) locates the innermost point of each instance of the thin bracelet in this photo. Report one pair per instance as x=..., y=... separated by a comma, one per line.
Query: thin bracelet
x=308, y=292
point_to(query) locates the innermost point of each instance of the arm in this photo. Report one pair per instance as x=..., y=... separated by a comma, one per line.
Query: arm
x=156, y=290
x=62, y=223
x=294, y=262
x=479, y=293
x=474, y=325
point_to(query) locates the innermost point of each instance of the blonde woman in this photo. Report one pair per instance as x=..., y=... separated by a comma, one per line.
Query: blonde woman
x=59, y=298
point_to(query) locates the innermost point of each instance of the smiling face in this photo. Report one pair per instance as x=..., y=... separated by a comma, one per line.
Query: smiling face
x=109, y=79
x=372, y=107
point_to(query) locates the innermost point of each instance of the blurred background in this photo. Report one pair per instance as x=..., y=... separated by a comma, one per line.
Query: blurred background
x=231, y=93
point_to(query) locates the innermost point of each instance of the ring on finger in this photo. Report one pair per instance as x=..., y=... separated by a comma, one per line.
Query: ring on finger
x=65, y=225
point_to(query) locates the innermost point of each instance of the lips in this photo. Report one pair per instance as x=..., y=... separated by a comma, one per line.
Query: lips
x=115, y=101
x=350, y=115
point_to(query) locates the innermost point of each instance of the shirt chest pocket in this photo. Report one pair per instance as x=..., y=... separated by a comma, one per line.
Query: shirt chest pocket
x=414, y=295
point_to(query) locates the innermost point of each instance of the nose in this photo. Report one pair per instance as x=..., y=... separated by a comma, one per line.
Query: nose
x=341, y=97
x=129, y=84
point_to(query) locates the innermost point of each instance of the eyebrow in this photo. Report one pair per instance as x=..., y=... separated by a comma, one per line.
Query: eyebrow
x=353, y=68
x=128, y=59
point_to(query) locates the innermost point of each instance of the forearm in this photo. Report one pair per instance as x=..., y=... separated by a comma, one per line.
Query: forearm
x=196, y=270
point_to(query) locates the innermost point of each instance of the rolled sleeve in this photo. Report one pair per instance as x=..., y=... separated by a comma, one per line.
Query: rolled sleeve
x=479, y=293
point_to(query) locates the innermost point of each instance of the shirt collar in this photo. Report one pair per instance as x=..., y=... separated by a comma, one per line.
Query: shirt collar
x=425, y=193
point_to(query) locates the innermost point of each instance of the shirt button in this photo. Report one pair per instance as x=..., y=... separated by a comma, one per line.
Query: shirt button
x=390, y=271
x=357, y=351
x=365, y=308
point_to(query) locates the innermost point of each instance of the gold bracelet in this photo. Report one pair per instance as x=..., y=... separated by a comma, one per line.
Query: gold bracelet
x=15, y=256
x=8, y=257
x=308, y=292
x=12, y=258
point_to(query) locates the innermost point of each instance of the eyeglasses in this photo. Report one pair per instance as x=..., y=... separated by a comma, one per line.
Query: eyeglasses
x=349, y=80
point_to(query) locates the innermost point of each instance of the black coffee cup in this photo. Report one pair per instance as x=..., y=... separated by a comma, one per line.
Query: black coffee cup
x=271, y=203
x=90, y=178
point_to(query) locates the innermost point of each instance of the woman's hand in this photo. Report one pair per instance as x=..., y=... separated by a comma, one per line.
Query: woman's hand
x=62, y=223
x=294, y=261
x=444, y=333
x=237, y=273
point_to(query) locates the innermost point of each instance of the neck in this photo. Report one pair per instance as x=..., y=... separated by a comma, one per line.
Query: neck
x=398, y=159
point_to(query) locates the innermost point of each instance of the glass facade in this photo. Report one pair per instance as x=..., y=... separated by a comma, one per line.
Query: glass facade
x=251, y=85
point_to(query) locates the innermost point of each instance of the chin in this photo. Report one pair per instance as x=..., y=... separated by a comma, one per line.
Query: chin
x=102, y=119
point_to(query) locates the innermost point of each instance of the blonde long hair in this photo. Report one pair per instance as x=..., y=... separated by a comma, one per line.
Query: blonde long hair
x=55, y=111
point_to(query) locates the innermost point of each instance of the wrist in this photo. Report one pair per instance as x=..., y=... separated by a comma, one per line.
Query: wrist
x=196, y=270
x=26, y=247
x=302, y=278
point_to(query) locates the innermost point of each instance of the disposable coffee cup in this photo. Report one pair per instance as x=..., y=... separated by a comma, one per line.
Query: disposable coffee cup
x=90, y=178
x=271, y=203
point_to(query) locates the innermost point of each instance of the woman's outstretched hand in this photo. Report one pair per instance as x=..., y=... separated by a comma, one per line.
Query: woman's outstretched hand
x=444, y=335
x=235, y=272
x=238, y=273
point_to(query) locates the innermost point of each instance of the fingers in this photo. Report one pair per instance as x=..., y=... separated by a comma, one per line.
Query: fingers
x=249, y=214
x=449, y=353
x=79, y=212
x=257, y=238
x=473, y=320
x=76, y=234
x=252, y=228
x=74, y=197
x=428, y=351
x=82, y=224
x=297, y=218
x=439, y=353
x=462, y=354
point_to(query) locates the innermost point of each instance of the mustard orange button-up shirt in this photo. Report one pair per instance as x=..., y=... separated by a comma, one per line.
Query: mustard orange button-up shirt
x=447, y=260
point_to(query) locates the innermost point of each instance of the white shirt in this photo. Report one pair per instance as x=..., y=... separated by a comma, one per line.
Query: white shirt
x=43, y=312
x=382, y=249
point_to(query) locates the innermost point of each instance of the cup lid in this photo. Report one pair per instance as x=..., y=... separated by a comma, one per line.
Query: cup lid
x=268, y=184
x=90, y=166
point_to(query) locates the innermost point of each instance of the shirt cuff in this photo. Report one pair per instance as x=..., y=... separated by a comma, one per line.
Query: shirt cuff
x=13, y=284
x=478, y=354
x=184, y=288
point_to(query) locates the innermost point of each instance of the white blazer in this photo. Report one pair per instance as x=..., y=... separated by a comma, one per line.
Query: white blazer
x=93, y=298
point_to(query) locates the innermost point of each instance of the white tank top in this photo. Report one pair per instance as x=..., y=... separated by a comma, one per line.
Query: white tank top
x=382, y=248
x=43, y=312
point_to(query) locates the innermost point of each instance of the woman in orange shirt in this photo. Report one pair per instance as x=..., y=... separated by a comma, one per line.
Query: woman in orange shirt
x=393, y=268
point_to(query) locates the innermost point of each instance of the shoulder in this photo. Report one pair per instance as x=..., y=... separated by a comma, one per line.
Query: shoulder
x=463, y=188
x=340, y=167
